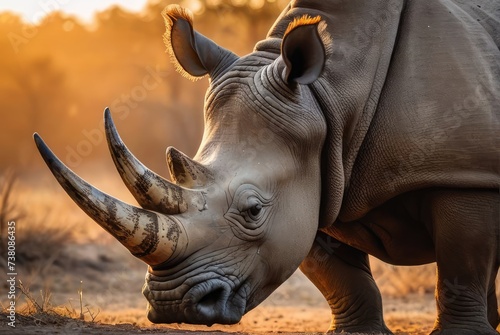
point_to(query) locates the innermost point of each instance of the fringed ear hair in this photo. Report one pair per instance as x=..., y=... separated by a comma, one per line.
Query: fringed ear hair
x=192, y=54
x=305, y=48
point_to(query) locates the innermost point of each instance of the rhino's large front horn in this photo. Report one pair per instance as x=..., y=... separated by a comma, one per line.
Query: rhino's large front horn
x=150, y=236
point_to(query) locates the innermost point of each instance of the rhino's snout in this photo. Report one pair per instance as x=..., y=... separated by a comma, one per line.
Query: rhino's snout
x=209, y=302
x=214, y=302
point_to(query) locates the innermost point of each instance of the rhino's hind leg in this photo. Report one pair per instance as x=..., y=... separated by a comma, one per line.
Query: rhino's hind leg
x=466, y=228
x=343, y=276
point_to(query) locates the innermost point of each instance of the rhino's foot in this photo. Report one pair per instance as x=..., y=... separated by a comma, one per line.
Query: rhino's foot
x=361, y=331
x=372, y=326
x=360, y=327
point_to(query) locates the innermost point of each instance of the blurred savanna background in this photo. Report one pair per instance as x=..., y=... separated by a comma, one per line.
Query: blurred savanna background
x=59, y=70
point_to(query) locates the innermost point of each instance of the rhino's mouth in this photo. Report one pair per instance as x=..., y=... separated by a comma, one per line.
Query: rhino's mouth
x=215, y=300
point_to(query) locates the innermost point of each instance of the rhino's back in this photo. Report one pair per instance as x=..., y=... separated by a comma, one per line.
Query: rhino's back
x=437, y=123
x=486, y=13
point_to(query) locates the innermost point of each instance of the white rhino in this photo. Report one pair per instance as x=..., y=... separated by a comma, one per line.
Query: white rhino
x=355, y=128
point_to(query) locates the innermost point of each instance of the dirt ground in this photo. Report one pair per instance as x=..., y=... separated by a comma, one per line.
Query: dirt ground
x=402, y=317
x=111, y=281
x=271, y=321
x=111, y=284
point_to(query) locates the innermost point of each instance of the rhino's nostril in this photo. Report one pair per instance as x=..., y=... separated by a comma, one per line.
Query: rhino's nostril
x=211, y=298
x=213, y=301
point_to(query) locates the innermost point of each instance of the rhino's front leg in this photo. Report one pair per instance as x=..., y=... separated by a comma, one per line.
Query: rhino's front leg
x=343, y=276
x=466, y=234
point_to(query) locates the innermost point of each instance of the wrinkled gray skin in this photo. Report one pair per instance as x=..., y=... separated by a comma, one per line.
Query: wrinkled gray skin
x=380, y=135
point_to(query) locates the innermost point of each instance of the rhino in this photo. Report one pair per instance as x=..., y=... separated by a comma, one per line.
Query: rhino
x=354, y=128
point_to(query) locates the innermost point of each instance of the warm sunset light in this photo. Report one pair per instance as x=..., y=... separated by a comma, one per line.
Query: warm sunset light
x=249, y=166
x=82, y=56
x=34, y=10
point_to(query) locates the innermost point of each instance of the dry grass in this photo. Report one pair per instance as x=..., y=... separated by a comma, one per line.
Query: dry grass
x=40, y=239
x=9, y=211
x=40, y=310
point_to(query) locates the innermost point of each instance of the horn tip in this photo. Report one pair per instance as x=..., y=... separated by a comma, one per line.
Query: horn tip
x=40, y=144
x=108, y=120
x=109, y=125
x=107, y=115
x=47, y=154
x=171, y=151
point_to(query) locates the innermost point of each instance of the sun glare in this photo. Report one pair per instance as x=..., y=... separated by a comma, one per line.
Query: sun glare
x=195, y=6
x=256, y=4
x=198, y=7
x=34, y=11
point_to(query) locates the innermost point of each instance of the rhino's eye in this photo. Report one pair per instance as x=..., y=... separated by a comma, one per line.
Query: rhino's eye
x=254, y=211
x=249, y=212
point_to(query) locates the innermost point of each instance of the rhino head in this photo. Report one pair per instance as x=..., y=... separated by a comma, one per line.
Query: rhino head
x=238, y=219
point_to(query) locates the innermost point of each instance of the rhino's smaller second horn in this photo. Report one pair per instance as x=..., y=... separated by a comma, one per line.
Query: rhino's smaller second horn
x=187, y=172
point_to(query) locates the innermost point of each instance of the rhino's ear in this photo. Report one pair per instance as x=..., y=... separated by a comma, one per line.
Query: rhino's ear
x=304, y=50
x=193, y=55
